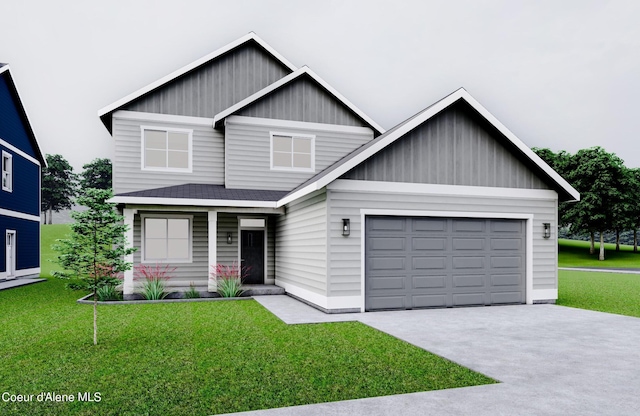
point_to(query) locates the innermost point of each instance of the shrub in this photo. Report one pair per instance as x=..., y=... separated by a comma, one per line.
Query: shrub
x=229, y=279
x=153, y=287
x=108, y=292
x=192, y=293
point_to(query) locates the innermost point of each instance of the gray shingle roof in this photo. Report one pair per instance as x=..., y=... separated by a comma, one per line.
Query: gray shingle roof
x=203, y=191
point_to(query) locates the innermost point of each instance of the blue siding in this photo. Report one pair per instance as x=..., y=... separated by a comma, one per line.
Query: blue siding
x=25, y=196
x=12, y=127
x=27, y=242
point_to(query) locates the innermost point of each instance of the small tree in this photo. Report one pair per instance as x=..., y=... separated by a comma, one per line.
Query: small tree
x=96, y=174
x=94, y=253
x=59, y=185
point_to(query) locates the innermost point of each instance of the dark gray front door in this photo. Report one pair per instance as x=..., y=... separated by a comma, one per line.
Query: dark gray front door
x=421, y=262
x=252, y=255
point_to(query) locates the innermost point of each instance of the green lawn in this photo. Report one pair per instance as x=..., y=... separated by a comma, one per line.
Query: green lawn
x=606, y=292
x=48, y=235
x=573, y=253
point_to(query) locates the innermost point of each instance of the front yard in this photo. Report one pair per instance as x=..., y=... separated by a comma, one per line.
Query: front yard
x=196, y=358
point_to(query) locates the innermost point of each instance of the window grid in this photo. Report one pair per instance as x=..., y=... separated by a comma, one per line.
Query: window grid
x=7, y=171
x=166, y=149
x=292, y=152
x=167, y=239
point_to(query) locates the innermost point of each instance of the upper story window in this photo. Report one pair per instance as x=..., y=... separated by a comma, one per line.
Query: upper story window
x=7, y=171
x=294, y=152
x=166, y=149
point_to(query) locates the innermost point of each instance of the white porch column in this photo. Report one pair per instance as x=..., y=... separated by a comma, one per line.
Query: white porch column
x=127, y=286
x=212, y=233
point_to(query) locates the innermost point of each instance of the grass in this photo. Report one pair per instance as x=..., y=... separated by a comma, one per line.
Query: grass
x=573, y=253
x=48, y=235
x=599, y=291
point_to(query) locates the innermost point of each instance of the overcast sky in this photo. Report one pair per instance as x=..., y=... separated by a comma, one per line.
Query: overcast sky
x=558, y=74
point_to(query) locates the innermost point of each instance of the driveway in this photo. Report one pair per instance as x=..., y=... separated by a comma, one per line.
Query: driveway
x=551, y=360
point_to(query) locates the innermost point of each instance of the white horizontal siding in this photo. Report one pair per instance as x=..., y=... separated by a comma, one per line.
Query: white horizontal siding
x=128, y=176
x=344, y=256
x=301, y=249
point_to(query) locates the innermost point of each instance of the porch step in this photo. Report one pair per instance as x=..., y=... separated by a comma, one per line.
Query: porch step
x=258, y=290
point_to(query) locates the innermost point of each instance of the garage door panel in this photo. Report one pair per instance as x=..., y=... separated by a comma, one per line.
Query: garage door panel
x=428, y=244
x=387, y=263
x=468, y=244
x=506, y=262
x=507, y=279
x=468, y=262
x=506, y=244
x=507, y=297
x=387, y=224
x=428, y=224
x=387, y=302
x=468, y=299
x=468, y=280
x=386, y=243
x=503, y=226
x=473, y=226
x=388, y=282
x=429, y=301
x=430, y=282
x=432, y=263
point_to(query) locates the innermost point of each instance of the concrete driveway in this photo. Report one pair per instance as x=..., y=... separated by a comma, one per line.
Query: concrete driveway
x=551, y=360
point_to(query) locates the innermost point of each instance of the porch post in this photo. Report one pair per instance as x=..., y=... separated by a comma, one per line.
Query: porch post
x=212, y=233
x=127, y=287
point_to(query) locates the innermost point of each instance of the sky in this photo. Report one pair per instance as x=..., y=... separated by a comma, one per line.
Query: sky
x=559, y=74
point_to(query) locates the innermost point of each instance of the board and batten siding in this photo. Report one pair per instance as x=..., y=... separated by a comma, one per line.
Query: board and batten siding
x=301, y=248
x=128, y=176
x=196, y=272
x=303, y=100
x=452, y=148
x=344, y=256
x=248, y=157
x=215, y=86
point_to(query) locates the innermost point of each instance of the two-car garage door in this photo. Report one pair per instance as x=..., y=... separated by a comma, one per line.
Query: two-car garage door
x=421, y=262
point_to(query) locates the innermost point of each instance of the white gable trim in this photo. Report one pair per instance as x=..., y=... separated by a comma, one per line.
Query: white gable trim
x=175, y=74
x=162, y=118
x=415, y=122
x=285, y=80
x=298, y=125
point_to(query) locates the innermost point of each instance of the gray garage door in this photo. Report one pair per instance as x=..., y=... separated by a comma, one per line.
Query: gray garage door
x=423, y=262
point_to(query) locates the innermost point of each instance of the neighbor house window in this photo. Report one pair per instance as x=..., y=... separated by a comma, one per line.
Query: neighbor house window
x=7, y=171
x=166, y=239
x=166, y=149
x=292, y=152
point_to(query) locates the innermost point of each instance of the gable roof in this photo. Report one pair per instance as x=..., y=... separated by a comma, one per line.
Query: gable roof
x=367, y=150
x=105, y=112
x=287, y=80
x=5, y=73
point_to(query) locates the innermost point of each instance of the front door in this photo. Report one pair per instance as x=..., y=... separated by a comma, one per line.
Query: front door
x=11, y=254
x=252, y=255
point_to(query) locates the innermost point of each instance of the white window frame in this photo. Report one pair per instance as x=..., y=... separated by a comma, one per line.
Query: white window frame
x=143, y=218
x=7, y=171
x=311, y=137
x=189, y=132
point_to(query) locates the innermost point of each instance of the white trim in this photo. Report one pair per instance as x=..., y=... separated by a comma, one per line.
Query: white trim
x=188, y=169
x=289, y=78
x=333, y=302
x=21, y=273
x=311, y=137
x=127, y=284
x=301, y=125
x=212, y=237
x=349, y=185
x=19, y=152
x=20, y=215
x=8, y=169
x=528, y=218
x=415, y=122
x=162, y=118
x=4, y=68
x=144, y=216
x=192, y=202
x=175, y=74
x=14, y=254
x=544, y=294
x=263, y=228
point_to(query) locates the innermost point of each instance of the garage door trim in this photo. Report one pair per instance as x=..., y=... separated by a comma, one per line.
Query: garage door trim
x=528, y=218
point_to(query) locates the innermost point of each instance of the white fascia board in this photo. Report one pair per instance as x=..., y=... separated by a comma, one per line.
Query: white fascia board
x=191, y=202
x=162, y=118
x=298, y=125
x=285, y=80
x=298, y=194
x=4, y=68
x=348, y=185
x=195, y=64
x=19, y=152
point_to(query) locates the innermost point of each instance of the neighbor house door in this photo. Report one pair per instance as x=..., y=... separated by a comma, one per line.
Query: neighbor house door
x=11, y=254
x=252, y=255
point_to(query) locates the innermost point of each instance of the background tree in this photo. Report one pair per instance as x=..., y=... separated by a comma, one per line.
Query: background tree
x=96, y=174
x=634, y=198
x=59, y=185
x=94, y=254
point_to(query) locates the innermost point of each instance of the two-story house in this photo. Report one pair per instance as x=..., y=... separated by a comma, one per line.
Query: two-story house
x=243, y=157
x=20, y=191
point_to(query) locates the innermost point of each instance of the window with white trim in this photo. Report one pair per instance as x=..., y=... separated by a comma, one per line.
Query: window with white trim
x=166, y=239
x=7, y=171
x=166, y=149
x=292, y=152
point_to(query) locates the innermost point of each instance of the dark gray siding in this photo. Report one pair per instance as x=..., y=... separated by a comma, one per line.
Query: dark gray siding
x=216, y=85
x=452, y=148
x=303, y=100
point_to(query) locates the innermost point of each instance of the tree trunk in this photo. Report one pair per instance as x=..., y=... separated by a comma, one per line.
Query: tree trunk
x=617, y=240
x=95, y=318
x=592, y=247
x=50, y=214
x=601, y=257
x=635, y=240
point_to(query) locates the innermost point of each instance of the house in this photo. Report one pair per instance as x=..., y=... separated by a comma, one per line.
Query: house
x=241, y=156
x=20, y=191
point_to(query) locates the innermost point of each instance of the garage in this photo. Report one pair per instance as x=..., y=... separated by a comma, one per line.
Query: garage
x=434, y=262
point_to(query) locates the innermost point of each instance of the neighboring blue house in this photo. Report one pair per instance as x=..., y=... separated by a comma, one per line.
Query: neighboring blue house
x=20, y=190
